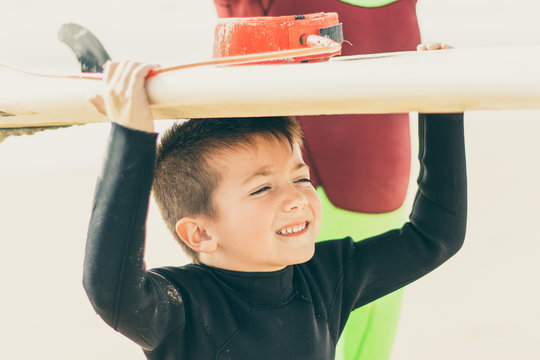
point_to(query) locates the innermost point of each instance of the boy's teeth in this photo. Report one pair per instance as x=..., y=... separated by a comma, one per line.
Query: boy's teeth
x=292, y=229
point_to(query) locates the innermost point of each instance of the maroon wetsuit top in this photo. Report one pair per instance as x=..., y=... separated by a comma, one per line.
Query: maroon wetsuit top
x=380, y=142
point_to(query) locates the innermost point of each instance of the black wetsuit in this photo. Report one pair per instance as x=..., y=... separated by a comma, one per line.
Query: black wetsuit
x=198, y=312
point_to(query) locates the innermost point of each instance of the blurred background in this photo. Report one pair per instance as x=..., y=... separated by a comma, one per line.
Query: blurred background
x=482, y=304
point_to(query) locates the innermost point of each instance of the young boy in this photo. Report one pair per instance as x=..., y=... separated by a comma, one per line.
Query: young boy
x=237, y=195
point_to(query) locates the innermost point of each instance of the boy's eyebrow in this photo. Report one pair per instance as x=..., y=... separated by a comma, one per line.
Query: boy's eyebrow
x=267, y=170
x=263, y=171
x=301, y=166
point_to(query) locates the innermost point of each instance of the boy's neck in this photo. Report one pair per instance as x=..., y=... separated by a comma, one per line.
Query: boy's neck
x=263, y=288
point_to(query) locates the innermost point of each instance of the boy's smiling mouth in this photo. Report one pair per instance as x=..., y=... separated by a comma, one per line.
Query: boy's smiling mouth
x=293, y=229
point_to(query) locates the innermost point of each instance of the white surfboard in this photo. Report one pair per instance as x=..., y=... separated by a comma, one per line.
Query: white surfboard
x=452, y=80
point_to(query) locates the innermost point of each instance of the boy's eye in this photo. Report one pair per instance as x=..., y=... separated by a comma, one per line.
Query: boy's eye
x=261, y=190
x=304, y=180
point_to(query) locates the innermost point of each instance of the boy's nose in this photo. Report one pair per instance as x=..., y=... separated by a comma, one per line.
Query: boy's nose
x=294, y=200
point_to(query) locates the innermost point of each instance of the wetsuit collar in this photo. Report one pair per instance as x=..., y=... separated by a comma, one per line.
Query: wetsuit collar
x=262, y=288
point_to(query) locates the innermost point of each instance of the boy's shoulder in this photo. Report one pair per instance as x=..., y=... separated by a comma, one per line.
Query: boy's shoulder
x=201, y=291
x=185, y=276
x=326, y=265
x=333, y=251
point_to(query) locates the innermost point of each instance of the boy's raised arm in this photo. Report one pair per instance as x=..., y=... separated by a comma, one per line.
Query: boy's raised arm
x=125, y=295
x=380, y=265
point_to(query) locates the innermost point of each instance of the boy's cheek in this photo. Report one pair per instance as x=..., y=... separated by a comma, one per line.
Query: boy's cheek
x=317, y=202
x=316, y=207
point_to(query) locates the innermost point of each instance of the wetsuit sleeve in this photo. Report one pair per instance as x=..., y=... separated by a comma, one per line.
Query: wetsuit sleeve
x=436, y=230
x=140, y=304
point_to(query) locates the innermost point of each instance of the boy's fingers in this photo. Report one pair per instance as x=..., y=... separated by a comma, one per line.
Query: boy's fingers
x=99, y=103
x=433, y=46
x=114, y=81
x=141, y=72
x=121, y=73
x=109, y=69
x=128, y=73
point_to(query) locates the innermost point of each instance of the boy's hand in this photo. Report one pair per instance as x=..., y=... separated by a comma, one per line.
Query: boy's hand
x=433, y=46
x=125, y=100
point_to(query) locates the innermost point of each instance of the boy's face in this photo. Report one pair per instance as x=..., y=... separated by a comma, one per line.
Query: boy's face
x=268, y=213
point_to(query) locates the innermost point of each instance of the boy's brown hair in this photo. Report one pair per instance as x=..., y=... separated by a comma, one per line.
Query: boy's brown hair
x=184, y=181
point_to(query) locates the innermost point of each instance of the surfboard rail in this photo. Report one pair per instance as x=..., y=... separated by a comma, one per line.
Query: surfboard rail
x=451, y=80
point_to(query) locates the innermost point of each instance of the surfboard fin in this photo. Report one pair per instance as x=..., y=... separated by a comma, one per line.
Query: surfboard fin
x=91, y=56
x=89, y=51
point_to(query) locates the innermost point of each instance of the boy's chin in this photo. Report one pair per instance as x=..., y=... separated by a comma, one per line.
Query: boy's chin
x=304, y=256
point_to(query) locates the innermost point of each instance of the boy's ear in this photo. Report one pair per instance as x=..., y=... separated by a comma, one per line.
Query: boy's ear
x=194, y=234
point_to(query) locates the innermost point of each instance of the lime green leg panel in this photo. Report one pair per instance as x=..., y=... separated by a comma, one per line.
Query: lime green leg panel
x=370, y=330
